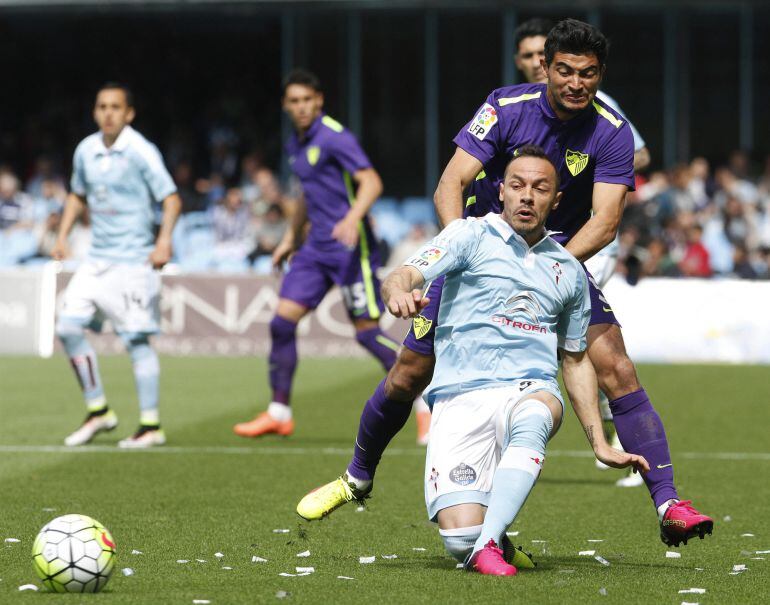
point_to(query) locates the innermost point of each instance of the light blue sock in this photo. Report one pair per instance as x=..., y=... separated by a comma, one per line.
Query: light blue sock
x=147, y=378
x=519, y=468
x=459, y=541
x=83, y=361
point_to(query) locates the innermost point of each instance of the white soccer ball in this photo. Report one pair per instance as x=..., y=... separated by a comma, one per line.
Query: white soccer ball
x=74, y=553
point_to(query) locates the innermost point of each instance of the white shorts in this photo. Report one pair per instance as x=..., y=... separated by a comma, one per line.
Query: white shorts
x=126, y=294
x=468, y=434
x=602, y=264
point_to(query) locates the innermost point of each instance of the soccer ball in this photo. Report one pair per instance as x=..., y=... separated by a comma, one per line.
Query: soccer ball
x=74, y=553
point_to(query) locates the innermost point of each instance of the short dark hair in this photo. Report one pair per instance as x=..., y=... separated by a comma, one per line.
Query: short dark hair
x=533, y=151
x=303, y=77
x=576, y=38
x=531, y=28
x=118, y=86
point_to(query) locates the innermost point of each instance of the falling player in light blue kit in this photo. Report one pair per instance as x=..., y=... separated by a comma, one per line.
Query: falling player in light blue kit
x=118, y=175
x=511, y=298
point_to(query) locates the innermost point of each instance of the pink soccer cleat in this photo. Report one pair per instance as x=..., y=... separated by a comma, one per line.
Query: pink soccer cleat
x=490, y=562
x=682, y=522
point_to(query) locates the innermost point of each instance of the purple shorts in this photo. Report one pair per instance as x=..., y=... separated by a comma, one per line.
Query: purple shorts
x=423, y=329
x=313, y=272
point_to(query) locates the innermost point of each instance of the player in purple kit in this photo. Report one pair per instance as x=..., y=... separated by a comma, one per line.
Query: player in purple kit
x=339, y=186
x=592, y=147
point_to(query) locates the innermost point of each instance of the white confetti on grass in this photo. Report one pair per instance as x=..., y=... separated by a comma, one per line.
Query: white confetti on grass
x=693, y=591
x=602, y=560
x=49, y=510
x=305, y=569
x=182, y=561
x=603, y=591
x=201, y=560
x=586, y=553
x=136, y=552
x=595, y=540
x=360, y=509
x=256, y=559
x=219, y=555
x=418, y=549
x=511, y=533
x=281, y=594
x=670, y=554
x=762, y=552
x=757, y=558
x=727, y=518
x=304, y=553
x=127, y=571
x=24, y=587
x=566, y=571
x=740, y=568
x=345, y=578
x=539, y=541
x=460, y=566
x=389, y=556
x=12, y=540
x=226, y=567
x=366, y=560
x=201, y=601
x=689, y=603
x=747, y=535
x=281, y=531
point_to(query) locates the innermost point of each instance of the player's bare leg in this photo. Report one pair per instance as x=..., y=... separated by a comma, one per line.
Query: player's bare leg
x=641, y=431
x=277, y=418
x=384, y=414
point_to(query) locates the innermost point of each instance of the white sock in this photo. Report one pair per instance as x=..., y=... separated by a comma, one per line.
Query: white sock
x=279, y=411
x=664, y=507
x=360, y=484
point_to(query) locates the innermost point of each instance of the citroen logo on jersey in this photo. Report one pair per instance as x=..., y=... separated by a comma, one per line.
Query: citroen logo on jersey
x=526, y=304
x=576, y=161
x=313, y=153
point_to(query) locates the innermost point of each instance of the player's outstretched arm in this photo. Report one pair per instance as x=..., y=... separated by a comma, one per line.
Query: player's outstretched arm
x=73, y=208
x=458, y=174
x=609, y=200
x=402, y=294
x=293, y=235
x=172, y=207
x=641, y=159
x=580, y=381
x=368, y=189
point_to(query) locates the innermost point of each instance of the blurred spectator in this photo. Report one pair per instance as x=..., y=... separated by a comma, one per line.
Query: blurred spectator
x=417, y=236
x=43, y=171
x=268, y=231
x=16, y=207
x=232, y=231
x=192, y=199
x=695, y=262
x=742, y=268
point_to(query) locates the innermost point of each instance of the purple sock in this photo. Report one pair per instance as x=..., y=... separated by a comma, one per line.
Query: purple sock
x=381, y=419
x=379, y=345
x=283, y=357
x=640, y=430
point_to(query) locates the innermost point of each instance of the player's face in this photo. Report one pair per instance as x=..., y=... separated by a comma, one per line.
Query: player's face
x=528, y=194
x=529, y=58
x=112, y=112
x=573, y=81
x=303, y=104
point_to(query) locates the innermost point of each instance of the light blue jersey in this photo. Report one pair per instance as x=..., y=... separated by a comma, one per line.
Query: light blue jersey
x=120, y=184
x=639, y=142
x=505, y=307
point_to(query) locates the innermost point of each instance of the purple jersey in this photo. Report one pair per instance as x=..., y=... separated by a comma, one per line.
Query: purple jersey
x=325, y=160
x=594, y=146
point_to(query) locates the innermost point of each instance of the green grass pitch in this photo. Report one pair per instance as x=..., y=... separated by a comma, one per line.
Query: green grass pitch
x=209, y=491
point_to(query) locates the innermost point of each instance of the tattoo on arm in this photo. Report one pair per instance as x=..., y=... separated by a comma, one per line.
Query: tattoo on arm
x=589, y=430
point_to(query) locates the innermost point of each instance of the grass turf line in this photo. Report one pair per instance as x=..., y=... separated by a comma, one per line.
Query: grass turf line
x=191, y=505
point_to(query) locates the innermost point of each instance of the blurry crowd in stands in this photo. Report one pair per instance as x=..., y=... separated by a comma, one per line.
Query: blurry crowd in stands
x=690, y=221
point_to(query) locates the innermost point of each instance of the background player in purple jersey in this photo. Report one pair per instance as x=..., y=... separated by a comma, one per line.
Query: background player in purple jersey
x=592, y=147
x=329, y=242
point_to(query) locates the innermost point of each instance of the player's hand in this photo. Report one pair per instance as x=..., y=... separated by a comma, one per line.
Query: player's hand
x=161, y=254
x=407, y=304
x=281, y=253
x=617, y=459
x=346, y=232
x=60, y=250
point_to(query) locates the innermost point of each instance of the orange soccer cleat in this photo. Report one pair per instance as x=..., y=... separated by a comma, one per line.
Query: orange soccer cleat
x=264, y=424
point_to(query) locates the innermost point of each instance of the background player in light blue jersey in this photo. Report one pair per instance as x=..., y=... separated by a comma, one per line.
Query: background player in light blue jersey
x=512, y=296
x=117, y=175
x=530, y=38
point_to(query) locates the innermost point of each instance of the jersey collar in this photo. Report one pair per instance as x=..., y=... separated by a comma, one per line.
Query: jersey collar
x=120, y=144
x=505, y=231
x=549, y=113
x=313, y=130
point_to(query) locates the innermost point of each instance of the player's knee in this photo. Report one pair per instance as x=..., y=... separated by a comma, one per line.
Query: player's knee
x=531, y=425
x=282, y=329
x=459, y=542
x=69, y=332
x=406, y=381
x=617, y=375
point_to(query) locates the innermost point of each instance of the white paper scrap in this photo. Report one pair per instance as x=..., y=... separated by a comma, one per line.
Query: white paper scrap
x=566, y=571
x=539, y=541
x=304, y=553
x=602, y=560
x=586, y=553
x=735, y=573
x=182, y=561
x=287, y=575
x=418, y=549
x=595, y=540
x=136, y=552
x=460, y=566
x=693, y=591
x=12, y=540
x=201, y=560
x=345, y=578
x=305, y=569
x=511, y=533
x=281, y=594
x=603, y=591
x=698, y=569
x=727, y=518
x=226, y=567
x=48, y=510
x=127, y=571
x=218, y=555
x=366, y=559
x=670, y=554
x=360, y=509
x=689, y=603
x=747, y=535
x=757, y=558
x=281, y=531
x=739, y=568
x=201, y=601
x=28, y=587
x=763, y=552
x=389, y=556
x=256, y=559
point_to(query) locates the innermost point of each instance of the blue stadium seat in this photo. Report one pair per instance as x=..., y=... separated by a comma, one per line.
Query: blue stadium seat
x=418, y=211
